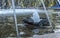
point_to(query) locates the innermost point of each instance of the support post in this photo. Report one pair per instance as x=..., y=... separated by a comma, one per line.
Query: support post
x=46, y=13
x=15, y=18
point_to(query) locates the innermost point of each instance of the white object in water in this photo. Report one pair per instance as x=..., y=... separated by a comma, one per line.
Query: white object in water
x=57, y=30
x=21, y=33
x=36, y=17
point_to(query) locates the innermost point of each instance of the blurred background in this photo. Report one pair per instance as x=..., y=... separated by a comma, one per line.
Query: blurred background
x=7, y=25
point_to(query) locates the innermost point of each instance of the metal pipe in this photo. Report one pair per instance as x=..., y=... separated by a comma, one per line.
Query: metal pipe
x=20, y=12
x=15, y=18
x=46, y=13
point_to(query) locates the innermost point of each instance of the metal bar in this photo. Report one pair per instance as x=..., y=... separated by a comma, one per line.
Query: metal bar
x=46, y=13
x=15, y=18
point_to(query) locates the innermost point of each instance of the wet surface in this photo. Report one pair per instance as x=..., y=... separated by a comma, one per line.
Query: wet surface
x=52, y=35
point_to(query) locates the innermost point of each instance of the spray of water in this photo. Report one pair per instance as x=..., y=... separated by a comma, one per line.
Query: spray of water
x=36, y=17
